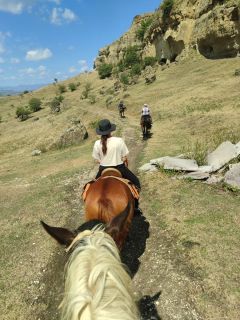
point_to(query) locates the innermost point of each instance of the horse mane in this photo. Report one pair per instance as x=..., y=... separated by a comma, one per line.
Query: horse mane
x=97, y=286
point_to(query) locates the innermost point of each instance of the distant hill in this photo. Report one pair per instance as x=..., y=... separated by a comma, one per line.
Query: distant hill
x=11, y=91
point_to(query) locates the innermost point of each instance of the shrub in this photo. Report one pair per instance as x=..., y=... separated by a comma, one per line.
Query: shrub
x=105, y=70
x=23, y=113
x=167, y=6
x=72, y=86
x=55, y=103
x=198, y=151
x=143, y=28
x=35, y=104
x=131, y=56
x=25, y=91
x=92, y=98
x=87, y=89
x=136, y=69
x=61, y=88
x=149, y=61
x=124, y=78
x=121, y=66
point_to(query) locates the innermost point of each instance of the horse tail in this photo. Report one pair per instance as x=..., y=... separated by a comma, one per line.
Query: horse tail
x=105, y=208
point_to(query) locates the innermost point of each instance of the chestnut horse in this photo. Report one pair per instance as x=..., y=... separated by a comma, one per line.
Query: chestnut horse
x=106, y=198
x=97, y=285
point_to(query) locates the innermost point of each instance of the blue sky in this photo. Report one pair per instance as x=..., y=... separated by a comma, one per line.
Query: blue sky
x=45, y=39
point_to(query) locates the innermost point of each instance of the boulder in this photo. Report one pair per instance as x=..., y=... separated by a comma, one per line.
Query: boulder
x=150, y=78
x=222, y=155
x=214, y=179
x=174, y=163
x=72, y=135
x=148, y=167
x=232, y=177
x=237, y=147
x=197, y=175
x=36, y=152
x=237, y=72
x=208, y=169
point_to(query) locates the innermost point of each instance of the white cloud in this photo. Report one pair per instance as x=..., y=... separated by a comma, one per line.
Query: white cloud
x=60, y=15
x=38, y=54
x=84, y=65
x=27, y=71
x=42, y=70
x=15, y=60
x=3, y=36
x=72, y=70
x=2, y=60
x=55, y=1
x=15, y=6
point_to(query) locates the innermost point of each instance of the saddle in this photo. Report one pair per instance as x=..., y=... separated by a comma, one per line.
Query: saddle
x=116, y=174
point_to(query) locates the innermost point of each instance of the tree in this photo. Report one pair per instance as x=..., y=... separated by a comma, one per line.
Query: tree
x=23, y=113
x=35, y=104
x=105, y=70
x=61, y=88
x=131, y=56
x=72, y=86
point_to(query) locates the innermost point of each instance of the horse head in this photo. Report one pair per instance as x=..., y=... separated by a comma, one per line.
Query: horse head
x=65, y=237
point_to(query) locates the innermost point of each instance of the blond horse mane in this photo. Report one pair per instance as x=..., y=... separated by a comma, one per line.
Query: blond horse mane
x=97, y=285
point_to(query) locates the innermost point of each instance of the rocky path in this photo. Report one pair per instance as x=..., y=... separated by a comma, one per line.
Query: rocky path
x=164, y=290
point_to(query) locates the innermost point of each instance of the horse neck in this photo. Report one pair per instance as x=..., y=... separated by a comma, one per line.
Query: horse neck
x=96, y=285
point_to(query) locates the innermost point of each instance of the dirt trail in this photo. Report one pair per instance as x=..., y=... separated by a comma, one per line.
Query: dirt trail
x=163, y=289
x=161, y=279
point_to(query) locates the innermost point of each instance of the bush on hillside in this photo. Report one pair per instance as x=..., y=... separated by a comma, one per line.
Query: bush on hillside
x=131, y=56
x=35, y=104
x=124, y=78
x=72, y=86
x=145, y=24
x=61, y=88
x=105, y=70
x=121, y=66
x=149, y=61
x=167, y=6
x=136, y=69
x=92, y=98
x=22, y=113
x=86, y=91
x=55, y=103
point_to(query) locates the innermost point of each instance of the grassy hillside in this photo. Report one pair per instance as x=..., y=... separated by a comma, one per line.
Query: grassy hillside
x=195, y=105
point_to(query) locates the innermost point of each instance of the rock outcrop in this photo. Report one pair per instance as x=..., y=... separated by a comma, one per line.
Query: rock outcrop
x=212, y=27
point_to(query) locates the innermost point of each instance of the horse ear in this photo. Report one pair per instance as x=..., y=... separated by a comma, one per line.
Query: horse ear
x=118, y=222
x=62, y=235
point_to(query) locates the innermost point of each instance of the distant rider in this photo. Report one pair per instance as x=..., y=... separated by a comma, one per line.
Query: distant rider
x=146, y=114
x=121, y=109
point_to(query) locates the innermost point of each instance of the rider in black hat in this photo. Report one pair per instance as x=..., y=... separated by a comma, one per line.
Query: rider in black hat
x=111, y=152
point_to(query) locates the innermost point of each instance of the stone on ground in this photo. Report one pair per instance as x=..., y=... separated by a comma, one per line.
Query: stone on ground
x=222, y=155
x=232, y=177
x=174, y=163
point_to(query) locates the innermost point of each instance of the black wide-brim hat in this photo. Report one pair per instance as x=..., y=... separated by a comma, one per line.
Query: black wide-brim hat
x=105, y=127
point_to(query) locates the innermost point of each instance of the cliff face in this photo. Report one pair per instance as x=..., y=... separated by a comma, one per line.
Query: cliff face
x=115, y=52
x=212, y=27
